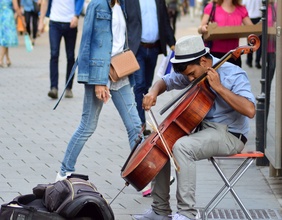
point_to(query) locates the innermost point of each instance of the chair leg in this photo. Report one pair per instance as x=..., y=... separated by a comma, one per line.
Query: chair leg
x=228, y=187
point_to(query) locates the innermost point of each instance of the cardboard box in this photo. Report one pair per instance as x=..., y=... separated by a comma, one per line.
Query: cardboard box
x=271, y=30
x=231, y=32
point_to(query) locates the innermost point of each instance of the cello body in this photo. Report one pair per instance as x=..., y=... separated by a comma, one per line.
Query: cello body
x=150, y=156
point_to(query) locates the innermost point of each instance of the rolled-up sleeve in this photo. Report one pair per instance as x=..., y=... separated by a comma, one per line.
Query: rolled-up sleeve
x=175, y=81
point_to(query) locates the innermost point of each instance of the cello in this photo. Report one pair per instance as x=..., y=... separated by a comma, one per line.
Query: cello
x=148, y=158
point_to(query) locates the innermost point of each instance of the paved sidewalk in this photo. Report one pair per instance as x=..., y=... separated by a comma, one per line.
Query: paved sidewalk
x=33, y=139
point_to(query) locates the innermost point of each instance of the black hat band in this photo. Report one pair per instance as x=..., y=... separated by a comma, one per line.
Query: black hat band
x=188, y=56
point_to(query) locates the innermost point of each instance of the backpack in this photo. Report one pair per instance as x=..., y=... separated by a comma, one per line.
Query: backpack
x=72, y=198
x=27, y=207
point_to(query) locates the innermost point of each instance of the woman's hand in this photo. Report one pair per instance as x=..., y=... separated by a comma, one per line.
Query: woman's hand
x=203, y=29
x=102, y=92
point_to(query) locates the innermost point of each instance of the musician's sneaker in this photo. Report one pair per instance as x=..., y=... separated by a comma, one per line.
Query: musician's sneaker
x=151, y=215
x=178, y=216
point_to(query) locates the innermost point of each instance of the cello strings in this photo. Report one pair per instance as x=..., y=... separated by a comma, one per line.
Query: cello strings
x=163, y=140
x=172, y=159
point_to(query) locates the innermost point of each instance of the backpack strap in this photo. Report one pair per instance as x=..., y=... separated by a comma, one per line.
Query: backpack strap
x=80, y=176
x=273, y=12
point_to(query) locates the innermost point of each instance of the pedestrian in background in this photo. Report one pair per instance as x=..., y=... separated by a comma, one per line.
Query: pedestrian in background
x=271, y=51
x=174, y=10
x=147, y=39
x=63, y=23
x=227, y=13
x=8, y=29
x=103, y=36
x=31, y=13
x=253, y=7
x=192, y=5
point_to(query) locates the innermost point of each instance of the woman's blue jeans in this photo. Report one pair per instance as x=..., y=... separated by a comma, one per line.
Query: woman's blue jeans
x=124, y=102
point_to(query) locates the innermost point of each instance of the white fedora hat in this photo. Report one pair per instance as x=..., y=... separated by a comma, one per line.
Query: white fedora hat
x=189, y=48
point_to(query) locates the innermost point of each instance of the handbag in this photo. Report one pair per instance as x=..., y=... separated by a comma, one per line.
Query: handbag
x=123, y=64
x=28, y=43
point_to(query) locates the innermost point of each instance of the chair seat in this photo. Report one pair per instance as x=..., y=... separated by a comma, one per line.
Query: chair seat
x=246, y=154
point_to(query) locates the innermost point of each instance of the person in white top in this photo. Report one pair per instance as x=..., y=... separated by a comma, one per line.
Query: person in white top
x=63, y=24
x=103, y=35
x=253, y=7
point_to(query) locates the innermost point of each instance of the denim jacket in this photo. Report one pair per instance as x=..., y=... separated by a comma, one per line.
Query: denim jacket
x=94, y=55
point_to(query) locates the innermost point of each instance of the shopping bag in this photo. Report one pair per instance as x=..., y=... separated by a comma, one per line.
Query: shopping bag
x=20, y=26
x=165, y=66
x=28, y=43
x=169, y=67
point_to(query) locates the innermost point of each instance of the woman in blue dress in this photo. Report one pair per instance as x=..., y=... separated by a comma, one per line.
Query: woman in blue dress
x=8, y=30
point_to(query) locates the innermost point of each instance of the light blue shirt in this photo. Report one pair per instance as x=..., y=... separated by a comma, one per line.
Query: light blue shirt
x=150, y=28
x=28, y=5
x=233, y=78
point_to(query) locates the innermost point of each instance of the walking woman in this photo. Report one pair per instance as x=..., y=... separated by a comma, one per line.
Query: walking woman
x=103, y=35
x=225, y=13
x=31, y=13
x=8, y=30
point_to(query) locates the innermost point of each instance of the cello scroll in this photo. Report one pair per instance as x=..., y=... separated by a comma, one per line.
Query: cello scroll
x=253, y=45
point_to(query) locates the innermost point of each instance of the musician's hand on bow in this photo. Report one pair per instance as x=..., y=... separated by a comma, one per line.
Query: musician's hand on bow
x=149, y=100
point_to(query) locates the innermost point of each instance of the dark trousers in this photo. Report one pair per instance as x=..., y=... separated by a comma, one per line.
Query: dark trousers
x=147, y=59
x=270, y=70
x=30, y=15
x=57, y=31
x=258, y=52
x=173, y=14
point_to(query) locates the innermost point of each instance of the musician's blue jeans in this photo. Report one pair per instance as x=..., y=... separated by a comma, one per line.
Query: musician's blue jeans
x=124, y=102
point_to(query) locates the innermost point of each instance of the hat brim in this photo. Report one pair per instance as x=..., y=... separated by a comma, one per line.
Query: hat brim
x=173, y=60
